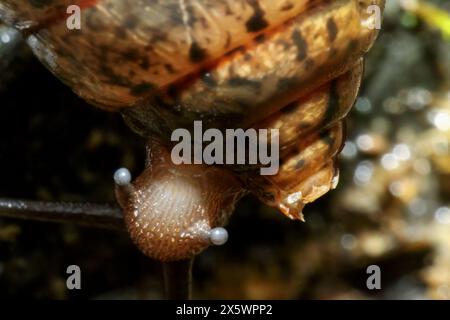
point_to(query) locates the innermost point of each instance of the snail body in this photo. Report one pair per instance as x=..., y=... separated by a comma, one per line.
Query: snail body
x=172, y=210
x=294, y=66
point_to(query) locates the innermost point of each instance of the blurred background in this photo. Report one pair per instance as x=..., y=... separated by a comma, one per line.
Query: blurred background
x=391, y=208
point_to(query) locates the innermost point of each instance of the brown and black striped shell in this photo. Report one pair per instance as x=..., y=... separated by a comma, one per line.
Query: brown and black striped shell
x=294, y=65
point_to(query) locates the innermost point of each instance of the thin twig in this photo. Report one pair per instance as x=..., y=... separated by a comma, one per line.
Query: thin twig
x=177, y=274
x=107, y=216
x=178, y=279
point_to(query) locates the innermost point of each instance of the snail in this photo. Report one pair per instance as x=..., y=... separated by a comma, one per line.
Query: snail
x=290, y=65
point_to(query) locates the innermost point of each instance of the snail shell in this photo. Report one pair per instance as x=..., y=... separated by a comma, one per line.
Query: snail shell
x=292, y=65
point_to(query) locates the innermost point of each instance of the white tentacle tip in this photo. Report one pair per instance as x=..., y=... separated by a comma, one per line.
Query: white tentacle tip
x=218, y=236
x=122, y=177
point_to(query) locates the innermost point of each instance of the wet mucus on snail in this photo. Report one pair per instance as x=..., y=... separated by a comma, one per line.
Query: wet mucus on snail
x=290, y=65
